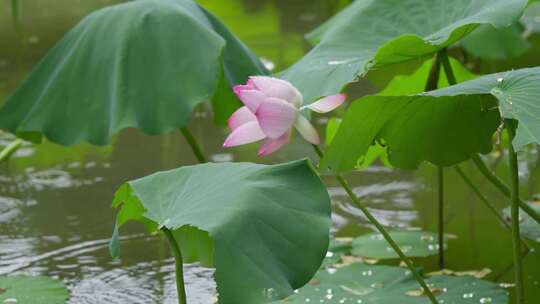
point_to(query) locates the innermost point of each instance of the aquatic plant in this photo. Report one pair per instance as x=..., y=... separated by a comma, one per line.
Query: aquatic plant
x=230, y=216
x=129, y=65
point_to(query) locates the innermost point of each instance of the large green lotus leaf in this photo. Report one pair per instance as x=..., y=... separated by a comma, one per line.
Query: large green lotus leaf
x=367, y=284
x=528, y=226
x=412, y=243
x=31, y=290
x=490, y=43
x=264, y=228
x=143, y=64
x=444, y=126
x=370, y=34
x=375, y=152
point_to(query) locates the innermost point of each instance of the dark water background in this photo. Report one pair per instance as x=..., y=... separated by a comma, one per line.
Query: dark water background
x=55, y=215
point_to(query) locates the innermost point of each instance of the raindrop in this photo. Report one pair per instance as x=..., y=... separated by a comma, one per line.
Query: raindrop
x=222, y=157
x=468, y=295
x=426, y=238
x=336, y=62
x=308, y=300
x=485, y=300
x=329, y=254
x=331, y=270
x=507, y=285
x=343, y=300
x=500, y=80
x=329, y=296
x=10, y=301
x=367, y=273
x=329, y=291
x=268, y=64
x=358, y=301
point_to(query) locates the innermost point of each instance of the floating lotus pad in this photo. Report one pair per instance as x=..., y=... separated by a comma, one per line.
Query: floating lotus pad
x=31, y=290
x=143, y=64
x=412, y=243
x=370, y=34
x=231, y=216
x=367, y=284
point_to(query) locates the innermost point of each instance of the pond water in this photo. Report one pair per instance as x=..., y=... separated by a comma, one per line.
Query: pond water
x=55, y=215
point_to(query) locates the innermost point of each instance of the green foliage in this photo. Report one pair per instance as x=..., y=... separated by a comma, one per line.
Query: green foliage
x=264, y=228
x=375, y=152
x=143, y=64
x=371, y=34
x=412, y=243
x=368, y=284
x=518, y=94
x=31, y=290
x=491, y=43
x=416, y=128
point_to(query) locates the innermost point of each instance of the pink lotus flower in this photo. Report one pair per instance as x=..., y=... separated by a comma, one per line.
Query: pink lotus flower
x=271, y=108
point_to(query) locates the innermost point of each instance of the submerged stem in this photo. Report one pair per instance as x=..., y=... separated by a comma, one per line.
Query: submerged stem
x=489, y=205
x=179, y=265
x=499, y=184
x=194, y=145
x=514, y=176
x=440, y=174
x=432, y=84
x=382, y=231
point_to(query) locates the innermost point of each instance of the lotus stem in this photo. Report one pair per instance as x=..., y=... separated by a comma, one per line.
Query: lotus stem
x=6, y=153
x=382, y=231
x=447, y=67
x=489, y=205
x=499, y=184
x=431, y=84
x=179, y=265
x=194, y=145
x=440, y=175
x=514, y=207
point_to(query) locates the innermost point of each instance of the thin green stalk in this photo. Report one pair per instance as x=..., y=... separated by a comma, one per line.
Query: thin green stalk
x=382, y=231
x=499, y=184
x=447, y=67
x=513, y=164
x=194, y=145
x=432, y=84
x=489, y=205
x=440, y=174
x=6, y=153
x=179, y=265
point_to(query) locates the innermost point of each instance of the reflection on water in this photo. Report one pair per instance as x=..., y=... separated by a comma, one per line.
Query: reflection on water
x=55, y=215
